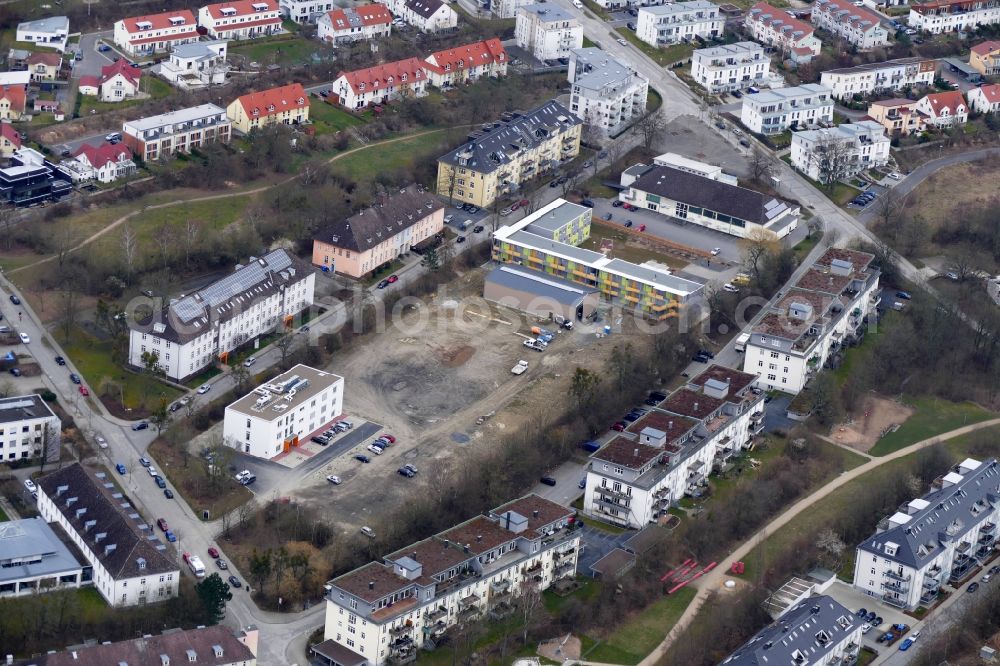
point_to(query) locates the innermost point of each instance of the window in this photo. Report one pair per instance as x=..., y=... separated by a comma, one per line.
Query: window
x=774, y=354
x=771, y=378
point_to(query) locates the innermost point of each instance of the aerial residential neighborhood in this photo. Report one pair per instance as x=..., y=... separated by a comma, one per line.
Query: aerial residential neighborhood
x=570, y=331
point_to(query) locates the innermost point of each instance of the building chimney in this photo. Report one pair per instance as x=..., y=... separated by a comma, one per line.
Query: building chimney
x=371, y=585
x=635, y=452
x=534, y=514
x=479, y=537
x=109, y=549
x=696, y=406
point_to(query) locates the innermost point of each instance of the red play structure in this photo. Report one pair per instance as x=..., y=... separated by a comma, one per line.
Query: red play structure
x=684, y=574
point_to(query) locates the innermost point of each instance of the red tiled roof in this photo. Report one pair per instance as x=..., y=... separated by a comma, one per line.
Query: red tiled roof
x=131, y=74
x=779, y=19
x=98, y=156
x=373, y=14
x=50, y=59
x=242, y=7
x=991, y=93
x=90, y=81
x=17, y=96
x=8, y=132
x=378, y=76
x=854, y=15
x=950, y=100
x=986, y=47
x=247, y=24
x=161, y=22
x=486, y=52
x=282, y=99
x=930, y=6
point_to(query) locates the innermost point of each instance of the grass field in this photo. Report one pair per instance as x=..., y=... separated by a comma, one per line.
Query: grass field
x=93, y=358
x=156, y=88
x=365, y=165
x=329, y=119
x=636, y=638
x=189, y=478
x=664, y=57
x=932, y=417
x=294, y=50
x=633, y=253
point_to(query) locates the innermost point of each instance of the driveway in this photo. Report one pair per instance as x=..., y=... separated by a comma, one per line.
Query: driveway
x=595, y=544
x=567, y=487
x=93, y=60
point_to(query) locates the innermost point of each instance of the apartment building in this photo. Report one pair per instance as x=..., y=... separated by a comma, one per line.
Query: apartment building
x=190, y=333
x=836, y=153
x=10, y=140
x=393, y=224
x=494, y=162
x=209, y=646
x=985, y=58
x=156, y=33
x=943, y=109
x=780, y=30
x=284, y=105
x=350, y=24
x=380, y=84
x=818, y=631
x=283, y=413
x=131, y=566
x=507, y=9
x=425, y=15
x=953, y=15
x=814, y=320
x=985, y=99
x=547, y=31
x=546, y=241
x=36, y=559
x=707, y=202
x=933, y=540
x=28, y=429
x=178, y=131
x=730, y=67
x=13, y=101
x=196, y=65
x=898, y=116
x=606, y=93
x=879, y=77
x=663, y=25
x=856, y=25
x=51, y=32
x=118, y=81
x=669, y=452
x=780, y=109
x=240, y=19
x=106, y=162
x=304, y=12
x=386, y=611
x=466, y=63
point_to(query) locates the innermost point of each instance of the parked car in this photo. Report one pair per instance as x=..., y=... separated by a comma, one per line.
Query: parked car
x=250, y=361
x=406, y=471
x=362, y=458
x=171, y=537
x=121, y=468
x=101, y=442
x=374, y=448
x=905, y=645
x=15, y=300
x=616, y=203
x=655, y=398
x=168, y=493
x=30, y=485
x=213, y=552
x=334, y=479
x=75, y=378
x=368, y=532
x=619, y=426
x=24, y=338
x=716, y=251
x=162, y=524
x=141, y=425
x=587, y=202
x=160, y=483
x=145, y=462
x=460, y=239
x=972, y=587
x=60, y=360
x=905, y=295
x=235, y=582
x=548, y=480
x=221, y=564
x=16, y=372
x=392, y=279
x=478, y=229
x=204, y=388
x=84, y=391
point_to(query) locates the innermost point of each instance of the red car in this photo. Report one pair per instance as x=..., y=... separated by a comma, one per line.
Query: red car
x=187, y=556
x=392, y=278
x=619, y=426
x=84, y=391
x=392, y=440
x=214, y=553
x=628, y=206
x=162, y=524
x=642, y=227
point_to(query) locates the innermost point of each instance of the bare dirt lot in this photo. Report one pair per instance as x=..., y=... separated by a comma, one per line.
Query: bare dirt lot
x=951, y=188
x=876, y=416
x=428, y=378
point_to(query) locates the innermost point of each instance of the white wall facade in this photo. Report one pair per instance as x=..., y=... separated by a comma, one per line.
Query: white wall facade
x=547, y=39
x=855, y=25
x=443, y=18
x=730, y=67
x=885, y=76
x=326, y=31
x=26, y=437
x=680, y=22
x=985, y=101
x=774, y=111
x=866, y=145
x=960, y=15
x=145, y=42
x=238, y=25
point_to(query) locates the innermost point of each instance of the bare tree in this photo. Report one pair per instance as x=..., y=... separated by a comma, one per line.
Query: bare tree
x=833, y=160
x=129, y=245
x=651, y=127
x=191, y=230
x=284, y=344
x=831, y=544
x=761, y=166
x=68, y=308
x=529, y=602
x=756, y=246
x=8, y=216
x=572, y=179
x=164, y=238
x=616, y=150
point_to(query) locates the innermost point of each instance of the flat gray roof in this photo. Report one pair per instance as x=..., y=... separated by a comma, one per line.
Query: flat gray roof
x=557, y=218
x=49, y=24
x=30, y=548
x=671, y=282
x=555, y=247
x=178, y=116
x=282, y=391
x=20, y=408
x=558, y=290
x=549, y=12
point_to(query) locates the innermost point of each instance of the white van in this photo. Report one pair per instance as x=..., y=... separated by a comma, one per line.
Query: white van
x=741, y=342
x=578, y=4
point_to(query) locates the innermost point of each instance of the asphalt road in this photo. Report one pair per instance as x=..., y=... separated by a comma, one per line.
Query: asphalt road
x=93, y=60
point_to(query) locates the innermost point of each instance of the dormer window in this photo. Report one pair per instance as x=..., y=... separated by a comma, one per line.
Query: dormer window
x=361, y=86
x=270, y=108
x=301, y=101
x=402, y=77
x=256, y=111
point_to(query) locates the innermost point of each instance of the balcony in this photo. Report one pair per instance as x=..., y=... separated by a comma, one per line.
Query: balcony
x=988, y=528
x=963, y=547
x=563, y=569
x=893, y=601
x=563, y=553
x=987, y=539
x=896, y=586
x=897, y=576
x=931, y=584
x=929, y=596
x=469, y=601
x=500, y=586
x=501, y=610
x=436, y=614
x=468, y=614
x=537, y=566
x=401, y=630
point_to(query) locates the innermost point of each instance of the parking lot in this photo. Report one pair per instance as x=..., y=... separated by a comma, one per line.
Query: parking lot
x=855, y=600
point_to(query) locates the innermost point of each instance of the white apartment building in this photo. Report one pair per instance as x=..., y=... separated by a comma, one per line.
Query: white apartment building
x=156, y=33
x=730, y=66
x=707, y=202
x=669, y=452
x=508, y=8
x=189, y=334
x=179, y=131
x=372, y=21
x=51, y=32
x=28, y=428
x=779, y=29
x=879, y=77
x=284, y=413
x=211, y=646
x=952, y=15
x=662, y=25
x=985, y=99
x=606, y=93
x=380, y=84
x=855, y=25
x=547, y=31
x=813, y=320
x=425, y=15
x=305, y=11
x=240, y=19
x=774, y=111
x=840, y=152
x=105, y=163
x=386, y=611
x=35, y=560
x=131, y=566
x=196, y=65
x=931, y=541
x=817, y=631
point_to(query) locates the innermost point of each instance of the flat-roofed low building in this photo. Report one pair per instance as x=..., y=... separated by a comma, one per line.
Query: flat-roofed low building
x=707, y=202
x=283, y=413
x=38, y=557
x=539, y=294
x=879, y=77
x=28, y=429
x=672, y=23
x=780, y=109
x=729, y=67
x=180, y=131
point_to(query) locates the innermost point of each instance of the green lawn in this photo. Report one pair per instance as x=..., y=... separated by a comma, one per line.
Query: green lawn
x=653, y=100
x=156, y=88
x=329, y=119
x=586, y=593
x=596, y=9
x=636, y=638
x=3, y=516
x=805, y=246
x=860, y=353
x=94, y=359
x=933, y=416
x=664, y=57
x=294, y=50
x=365, y=165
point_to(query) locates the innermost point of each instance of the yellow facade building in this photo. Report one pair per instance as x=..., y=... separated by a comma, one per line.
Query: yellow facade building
x=286, y=105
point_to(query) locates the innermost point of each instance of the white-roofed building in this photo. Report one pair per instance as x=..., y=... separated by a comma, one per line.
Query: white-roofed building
x=156, y=137
x=35, y=558
x=196, y=65
x=840, y=152
x=774, y=111
x=730, y=66
x=663, y=25
x=305, y=11
x=606, y=93
x=51, y=32
x=547, y=31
